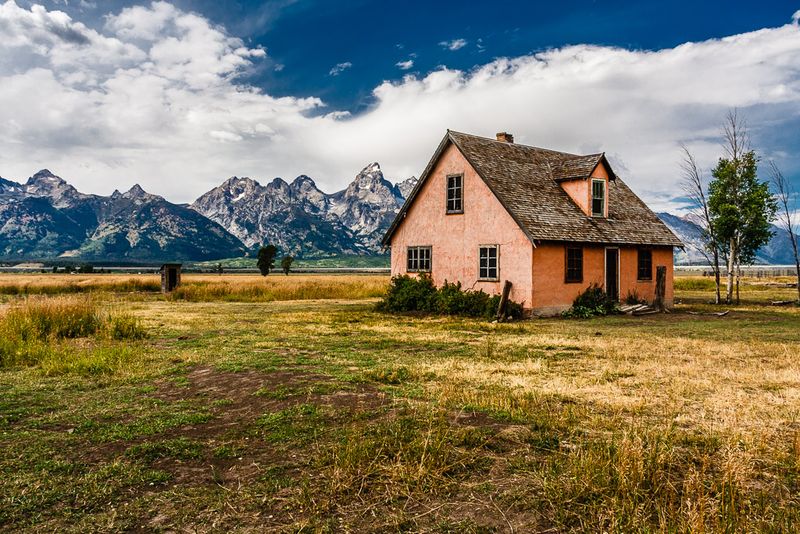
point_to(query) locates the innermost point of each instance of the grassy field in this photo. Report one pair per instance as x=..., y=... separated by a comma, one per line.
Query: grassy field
x=247, y=409
x=199, y=287
x=341, y=261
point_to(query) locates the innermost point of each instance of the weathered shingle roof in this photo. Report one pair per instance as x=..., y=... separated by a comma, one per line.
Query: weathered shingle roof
x=526, y=180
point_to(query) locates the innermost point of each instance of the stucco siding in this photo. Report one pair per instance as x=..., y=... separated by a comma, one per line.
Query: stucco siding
x=454, y=239
x=552, y=294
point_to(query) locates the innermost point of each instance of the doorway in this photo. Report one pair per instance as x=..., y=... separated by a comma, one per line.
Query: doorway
x=612, y=273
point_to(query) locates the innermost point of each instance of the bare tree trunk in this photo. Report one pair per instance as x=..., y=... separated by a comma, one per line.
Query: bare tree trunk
x=694, y=186
x=738, y=277
x=718, y=297
x=731, y=270
x=785, y=197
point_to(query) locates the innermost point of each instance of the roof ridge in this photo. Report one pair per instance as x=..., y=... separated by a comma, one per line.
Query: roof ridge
x=521, y=145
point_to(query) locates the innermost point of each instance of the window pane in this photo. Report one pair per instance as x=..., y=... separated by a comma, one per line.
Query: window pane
x=487, y=264
x=598, y=197
x=454, y=193
x=645, y=267
x=574, y=266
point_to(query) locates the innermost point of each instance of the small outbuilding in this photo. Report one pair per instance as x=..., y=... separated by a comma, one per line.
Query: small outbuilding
x=170, y=277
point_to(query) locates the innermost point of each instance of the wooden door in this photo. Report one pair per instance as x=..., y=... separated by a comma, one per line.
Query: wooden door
x=612, y=273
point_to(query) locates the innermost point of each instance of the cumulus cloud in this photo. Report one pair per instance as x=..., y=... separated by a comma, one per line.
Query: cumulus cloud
x=340, y=68
x=796, y=17
x=455, y=44
x=405, y=65
x=159, y=97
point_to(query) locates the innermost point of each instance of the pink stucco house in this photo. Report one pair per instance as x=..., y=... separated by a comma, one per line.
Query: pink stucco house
x=489, y=210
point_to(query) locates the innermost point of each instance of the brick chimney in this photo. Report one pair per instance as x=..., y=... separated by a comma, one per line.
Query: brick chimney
x=505, y=137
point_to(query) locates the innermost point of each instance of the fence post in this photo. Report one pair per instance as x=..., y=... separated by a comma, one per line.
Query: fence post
x=661, y=287
x=501, y=307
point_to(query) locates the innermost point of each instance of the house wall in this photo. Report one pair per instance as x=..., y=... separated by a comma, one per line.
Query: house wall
x=551, y=294
x=454, y=239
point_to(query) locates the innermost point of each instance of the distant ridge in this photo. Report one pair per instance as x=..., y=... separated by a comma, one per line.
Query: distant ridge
x=777, y=252
x=47, y=218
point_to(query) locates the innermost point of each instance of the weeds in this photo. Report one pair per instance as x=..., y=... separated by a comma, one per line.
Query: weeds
x=390, y=375
x=592, y=302
x=124, y=326
x=409, y=453
x=39, y=332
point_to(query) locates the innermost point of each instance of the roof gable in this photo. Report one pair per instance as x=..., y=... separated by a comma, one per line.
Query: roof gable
x=526, y=179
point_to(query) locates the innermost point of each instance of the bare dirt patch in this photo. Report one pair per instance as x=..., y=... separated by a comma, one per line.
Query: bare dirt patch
x=235, y=401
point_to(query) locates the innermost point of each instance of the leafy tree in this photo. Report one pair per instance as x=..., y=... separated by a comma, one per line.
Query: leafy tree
x=286, y=264
x=266, y=259
x=219, y=268
x=740, y=205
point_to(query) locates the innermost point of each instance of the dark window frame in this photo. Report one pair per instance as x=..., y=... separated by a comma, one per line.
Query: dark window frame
x=414, y=259
x=487, y=268
x=602, y=212
x=645, y=254
x=454, y=185
x=570, y=268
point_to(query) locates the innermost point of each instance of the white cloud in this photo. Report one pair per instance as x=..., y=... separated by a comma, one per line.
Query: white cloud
x=796, y=17
x=340, y=68
x=455, y=44
x=405, y=65
x=158, y=98
x=222, y=135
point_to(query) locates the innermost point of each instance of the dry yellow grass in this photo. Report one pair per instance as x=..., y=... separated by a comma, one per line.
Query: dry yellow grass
x=203, y=287
x=663, y=423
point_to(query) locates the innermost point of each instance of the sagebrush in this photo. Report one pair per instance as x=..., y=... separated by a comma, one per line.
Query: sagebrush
x=420, y=294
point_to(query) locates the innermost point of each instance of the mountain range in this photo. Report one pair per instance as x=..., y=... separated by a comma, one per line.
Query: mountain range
x=47, y=218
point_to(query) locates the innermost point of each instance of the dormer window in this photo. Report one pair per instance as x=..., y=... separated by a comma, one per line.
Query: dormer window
x=598, y=198
x=455, y=193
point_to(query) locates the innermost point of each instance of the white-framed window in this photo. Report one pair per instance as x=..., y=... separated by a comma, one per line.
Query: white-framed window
x=598, y=198
x=455, y=193
x=419, y=260
x=488, y=262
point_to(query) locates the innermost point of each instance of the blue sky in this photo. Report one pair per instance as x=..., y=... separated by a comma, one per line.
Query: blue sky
x=180, y=95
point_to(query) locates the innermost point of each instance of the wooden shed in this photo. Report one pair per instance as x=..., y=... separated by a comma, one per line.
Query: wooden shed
x=170, y=276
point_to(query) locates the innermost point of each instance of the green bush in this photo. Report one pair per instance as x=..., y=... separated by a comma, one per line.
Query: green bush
x=407, y=294
x=592, y=302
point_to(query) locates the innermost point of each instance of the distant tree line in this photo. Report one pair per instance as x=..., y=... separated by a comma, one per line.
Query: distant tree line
x=736, y=207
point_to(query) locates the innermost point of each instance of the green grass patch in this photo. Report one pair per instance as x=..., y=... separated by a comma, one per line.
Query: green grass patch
x=178, y=449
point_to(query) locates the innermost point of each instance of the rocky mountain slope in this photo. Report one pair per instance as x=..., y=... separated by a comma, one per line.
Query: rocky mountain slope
x=46, y=217
x=301, y=219
x=777, y=252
